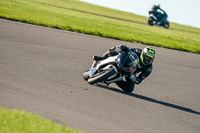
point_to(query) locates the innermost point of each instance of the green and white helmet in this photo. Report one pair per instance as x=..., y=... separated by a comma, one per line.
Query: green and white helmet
x=147, y=56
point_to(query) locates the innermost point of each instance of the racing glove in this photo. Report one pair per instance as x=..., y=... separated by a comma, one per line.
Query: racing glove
x=137, y=81
x=122, y=48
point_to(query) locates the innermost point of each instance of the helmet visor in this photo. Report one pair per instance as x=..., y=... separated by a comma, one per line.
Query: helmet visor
x=147, y=59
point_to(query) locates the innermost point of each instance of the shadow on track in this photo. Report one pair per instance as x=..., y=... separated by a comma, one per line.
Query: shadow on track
x=149, y=99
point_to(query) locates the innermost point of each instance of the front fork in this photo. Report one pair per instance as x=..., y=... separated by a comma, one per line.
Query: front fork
x=94, y=64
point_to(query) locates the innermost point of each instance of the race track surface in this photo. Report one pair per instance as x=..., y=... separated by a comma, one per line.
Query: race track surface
x=41, y=72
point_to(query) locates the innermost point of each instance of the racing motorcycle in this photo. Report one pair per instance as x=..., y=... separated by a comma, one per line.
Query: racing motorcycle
x=154, y=20
x=113, y=69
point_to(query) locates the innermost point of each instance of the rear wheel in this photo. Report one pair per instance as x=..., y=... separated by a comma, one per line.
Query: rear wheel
x=166, y=25
x=101, y=77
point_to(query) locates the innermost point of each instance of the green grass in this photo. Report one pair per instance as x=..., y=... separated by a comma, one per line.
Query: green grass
x=79, y=17
x=86, y=18
x=15, y=121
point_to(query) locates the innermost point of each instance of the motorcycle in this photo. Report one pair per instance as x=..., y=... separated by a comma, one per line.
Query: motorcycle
x=154, y=20
x=113, y=69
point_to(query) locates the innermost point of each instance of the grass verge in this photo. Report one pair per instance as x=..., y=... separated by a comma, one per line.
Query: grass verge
x=15, y=121
x=86, y=18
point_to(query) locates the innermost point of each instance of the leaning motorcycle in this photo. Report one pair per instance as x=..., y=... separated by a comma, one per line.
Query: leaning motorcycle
x=153, y=20
x=113, y=69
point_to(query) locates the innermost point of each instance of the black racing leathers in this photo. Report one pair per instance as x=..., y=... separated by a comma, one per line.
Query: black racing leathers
x=143, y=71
x=159, y=16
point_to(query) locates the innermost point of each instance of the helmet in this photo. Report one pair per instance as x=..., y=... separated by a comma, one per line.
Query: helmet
x=147, y=55
x=158, y=5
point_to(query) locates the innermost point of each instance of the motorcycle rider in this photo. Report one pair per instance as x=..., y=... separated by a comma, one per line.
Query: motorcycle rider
x=146, y=57
x=154, y=11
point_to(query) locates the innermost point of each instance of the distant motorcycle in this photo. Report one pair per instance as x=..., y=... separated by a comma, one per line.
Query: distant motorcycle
x=156, y=20
x=112, y=69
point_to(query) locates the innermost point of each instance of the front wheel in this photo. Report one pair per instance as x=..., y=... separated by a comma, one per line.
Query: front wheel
x=150, y=21
x=101, y=77
x=86, y=75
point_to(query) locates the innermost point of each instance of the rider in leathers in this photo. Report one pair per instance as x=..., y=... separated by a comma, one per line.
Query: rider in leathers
x=146, y=57
x=160, y=17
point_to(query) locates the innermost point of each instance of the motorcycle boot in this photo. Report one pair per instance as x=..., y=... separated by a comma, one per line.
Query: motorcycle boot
x=159, y=23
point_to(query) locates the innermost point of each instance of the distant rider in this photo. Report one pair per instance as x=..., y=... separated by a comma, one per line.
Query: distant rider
x=146, y=57
x=160, y=17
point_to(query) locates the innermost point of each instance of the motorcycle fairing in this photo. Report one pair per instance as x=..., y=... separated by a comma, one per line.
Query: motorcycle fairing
x=102, y=63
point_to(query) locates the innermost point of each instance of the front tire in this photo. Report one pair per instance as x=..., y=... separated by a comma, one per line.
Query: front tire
x=150, y=21
x=102, y=76
x=86, y=75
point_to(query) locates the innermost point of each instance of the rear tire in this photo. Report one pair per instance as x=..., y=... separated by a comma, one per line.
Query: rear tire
x=166, y=25
x=102, y=76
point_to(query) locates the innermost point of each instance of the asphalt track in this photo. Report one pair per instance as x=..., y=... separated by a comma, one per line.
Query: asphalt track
x=41, y=72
